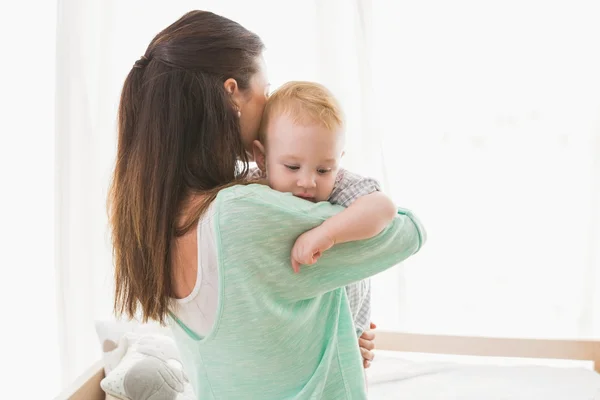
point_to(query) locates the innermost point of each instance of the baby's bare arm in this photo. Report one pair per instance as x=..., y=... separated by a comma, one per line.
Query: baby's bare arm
x=368, y=211
x=363, y=219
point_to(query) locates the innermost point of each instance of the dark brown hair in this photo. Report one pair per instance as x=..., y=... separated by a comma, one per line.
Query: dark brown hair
x=178, y=135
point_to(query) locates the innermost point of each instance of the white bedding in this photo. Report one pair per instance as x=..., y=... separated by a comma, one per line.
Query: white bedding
x=391, y=377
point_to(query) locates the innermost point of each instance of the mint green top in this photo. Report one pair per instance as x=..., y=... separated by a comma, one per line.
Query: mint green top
x=279, y=335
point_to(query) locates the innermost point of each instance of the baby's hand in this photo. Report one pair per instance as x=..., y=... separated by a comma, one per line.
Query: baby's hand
x=309, y=246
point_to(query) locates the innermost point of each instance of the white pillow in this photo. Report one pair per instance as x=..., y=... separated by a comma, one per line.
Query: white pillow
x=111, y=334
x=150, y=368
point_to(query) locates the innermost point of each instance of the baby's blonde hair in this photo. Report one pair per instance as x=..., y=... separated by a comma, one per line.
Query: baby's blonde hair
x=306, y=103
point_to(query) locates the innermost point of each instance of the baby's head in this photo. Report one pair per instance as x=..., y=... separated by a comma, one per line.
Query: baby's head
x=301, y=140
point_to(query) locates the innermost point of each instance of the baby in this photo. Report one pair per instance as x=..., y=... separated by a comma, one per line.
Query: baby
x=301, y=143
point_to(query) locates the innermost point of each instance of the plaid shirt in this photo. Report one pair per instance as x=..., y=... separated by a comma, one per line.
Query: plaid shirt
x=347, y=188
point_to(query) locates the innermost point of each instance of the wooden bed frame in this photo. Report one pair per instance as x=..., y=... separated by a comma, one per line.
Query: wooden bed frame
x=87, y=386
x=584, y=350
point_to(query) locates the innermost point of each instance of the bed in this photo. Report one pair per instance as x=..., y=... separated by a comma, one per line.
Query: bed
x=394, y=376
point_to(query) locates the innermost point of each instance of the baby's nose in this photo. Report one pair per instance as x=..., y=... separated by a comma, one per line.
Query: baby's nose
x=307, y=182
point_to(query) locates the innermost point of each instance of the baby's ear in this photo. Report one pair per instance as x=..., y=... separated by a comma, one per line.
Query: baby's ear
x=259, y=155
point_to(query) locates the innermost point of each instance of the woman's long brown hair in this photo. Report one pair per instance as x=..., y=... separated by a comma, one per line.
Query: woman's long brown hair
x=178, y=135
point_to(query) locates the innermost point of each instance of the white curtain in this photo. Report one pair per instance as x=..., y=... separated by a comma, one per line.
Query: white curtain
x=481, y=116
x=492, y=135
x=28, y=327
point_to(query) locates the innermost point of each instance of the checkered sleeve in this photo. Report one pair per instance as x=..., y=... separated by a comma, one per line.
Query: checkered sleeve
x=347, y=188
x=359, y=299
x=350, y=186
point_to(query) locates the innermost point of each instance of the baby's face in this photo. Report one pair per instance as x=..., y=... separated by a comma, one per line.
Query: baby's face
x=302, y=159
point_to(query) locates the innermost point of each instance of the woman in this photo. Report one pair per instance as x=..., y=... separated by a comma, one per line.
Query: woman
x=214, y=257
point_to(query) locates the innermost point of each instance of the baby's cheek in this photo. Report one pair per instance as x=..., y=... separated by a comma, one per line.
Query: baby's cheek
x=327, y=189
x=277, y=182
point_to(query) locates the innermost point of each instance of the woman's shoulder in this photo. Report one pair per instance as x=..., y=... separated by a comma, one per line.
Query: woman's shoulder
x=242, y=190
x=251, y=195
x=253, y=199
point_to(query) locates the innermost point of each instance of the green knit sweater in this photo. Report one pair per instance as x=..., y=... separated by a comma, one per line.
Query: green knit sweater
x=280, y=335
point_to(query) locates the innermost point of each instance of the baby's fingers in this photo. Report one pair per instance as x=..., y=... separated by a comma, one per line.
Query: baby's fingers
x=296, y=257
x=295, y=265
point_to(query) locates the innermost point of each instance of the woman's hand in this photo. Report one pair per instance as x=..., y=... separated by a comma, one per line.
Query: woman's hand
x=367, y=345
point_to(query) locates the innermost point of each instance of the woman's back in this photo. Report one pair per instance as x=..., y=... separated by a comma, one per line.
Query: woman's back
x=278, y=334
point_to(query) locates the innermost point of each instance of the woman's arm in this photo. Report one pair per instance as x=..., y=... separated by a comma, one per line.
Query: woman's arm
x=259, y=225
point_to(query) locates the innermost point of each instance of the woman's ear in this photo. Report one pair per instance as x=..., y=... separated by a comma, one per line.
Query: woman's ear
x=231, y=87
x=259, y=155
